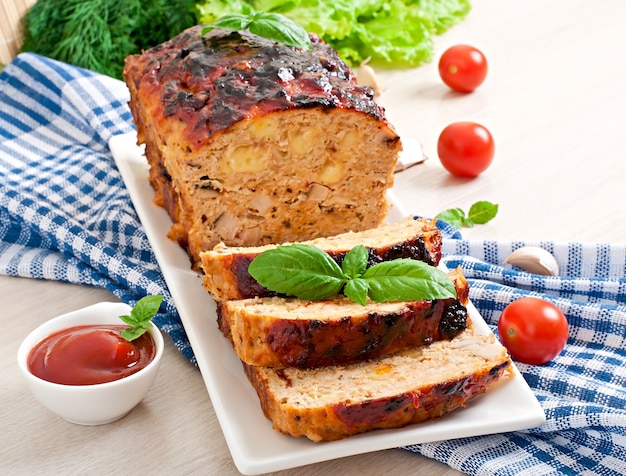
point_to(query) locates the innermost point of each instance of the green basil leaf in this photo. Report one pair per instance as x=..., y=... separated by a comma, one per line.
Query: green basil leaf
x=357, y=290
x=234, y=21
x=303, y=271
x=133, y=333
x=407, y=280
x=280, y=28
x=481, y=212
x=128, y=320
x=355, y=262
x=146, y=308
x=307, y=272
x=453, y=216
x=140, y=316
x=272, y=26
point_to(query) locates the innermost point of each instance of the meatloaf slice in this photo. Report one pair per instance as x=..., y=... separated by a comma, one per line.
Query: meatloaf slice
x=226, y=267
x=275, y=332
x=411, y=386
x=252, y=142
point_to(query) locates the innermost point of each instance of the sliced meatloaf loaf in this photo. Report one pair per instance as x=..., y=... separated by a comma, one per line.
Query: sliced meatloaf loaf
x=226, y=268
x=289, y=332
x=411, y=386
x=252, y=142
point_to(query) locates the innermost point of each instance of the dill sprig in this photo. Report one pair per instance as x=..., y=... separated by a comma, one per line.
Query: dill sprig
x=99, y=34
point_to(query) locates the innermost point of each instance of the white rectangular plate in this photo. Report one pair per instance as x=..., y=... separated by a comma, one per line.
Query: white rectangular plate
x=254, y=445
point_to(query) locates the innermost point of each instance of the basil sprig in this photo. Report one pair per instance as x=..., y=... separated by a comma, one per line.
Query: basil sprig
x=309, y=273
x=140, y=318
x=479, y=213
x=268, y=25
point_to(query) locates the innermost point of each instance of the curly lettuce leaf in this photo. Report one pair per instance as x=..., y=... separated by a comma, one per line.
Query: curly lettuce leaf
x=445, y=13
x=377, y=35
x=333, y=20
x=211, y=10
x=389, y=34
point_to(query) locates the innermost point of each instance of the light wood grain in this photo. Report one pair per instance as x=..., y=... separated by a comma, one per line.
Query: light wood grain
x=555, y=103
x=11, y=12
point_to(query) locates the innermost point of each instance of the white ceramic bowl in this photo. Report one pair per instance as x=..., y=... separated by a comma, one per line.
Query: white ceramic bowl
x=90, y=404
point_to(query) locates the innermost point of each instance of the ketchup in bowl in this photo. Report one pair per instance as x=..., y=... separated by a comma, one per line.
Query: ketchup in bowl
x=89, y=354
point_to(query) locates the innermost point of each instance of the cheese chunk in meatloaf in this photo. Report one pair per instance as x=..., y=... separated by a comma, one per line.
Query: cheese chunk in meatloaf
x=412, y=386
x=226, y=267
x=252, y=142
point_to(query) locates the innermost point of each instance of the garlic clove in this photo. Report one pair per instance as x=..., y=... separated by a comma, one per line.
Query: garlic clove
x=366, y=76
x=535, y=260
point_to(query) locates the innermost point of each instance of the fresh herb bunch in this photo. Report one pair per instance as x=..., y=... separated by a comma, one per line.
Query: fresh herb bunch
x=141, y=316
x=99, y=34
x=309, y=273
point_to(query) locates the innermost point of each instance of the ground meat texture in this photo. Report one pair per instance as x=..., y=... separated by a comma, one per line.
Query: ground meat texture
x=252, y=142
x=275, y=331
x=407, y=387
x=226, y=268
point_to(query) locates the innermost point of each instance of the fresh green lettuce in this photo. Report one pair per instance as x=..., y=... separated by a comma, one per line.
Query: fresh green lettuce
x=389, y=34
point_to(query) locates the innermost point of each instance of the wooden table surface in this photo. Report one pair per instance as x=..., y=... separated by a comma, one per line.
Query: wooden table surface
x=555, y=102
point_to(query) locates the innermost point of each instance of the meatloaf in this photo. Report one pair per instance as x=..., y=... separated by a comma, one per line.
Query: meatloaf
x=289, y=332
x=226, y=267
x=411, y=386
x=252, y=142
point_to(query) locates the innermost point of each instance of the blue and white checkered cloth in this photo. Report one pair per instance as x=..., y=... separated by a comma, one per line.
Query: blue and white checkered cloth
x=65, y=215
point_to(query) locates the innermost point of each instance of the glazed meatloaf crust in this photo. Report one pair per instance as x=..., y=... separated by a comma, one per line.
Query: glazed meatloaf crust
x=411, y=386
x=277, y=332
x=226, y=268
x=252, y=142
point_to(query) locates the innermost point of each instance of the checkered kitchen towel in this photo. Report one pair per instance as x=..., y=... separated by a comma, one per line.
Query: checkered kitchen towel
x=583, y=390
x=65, y=215
x=64, y=211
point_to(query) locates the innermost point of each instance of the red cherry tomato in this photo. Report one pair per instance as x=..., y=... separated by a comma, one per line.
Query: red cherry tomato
x=465, y=148
x=463, y=68
x=534, y=331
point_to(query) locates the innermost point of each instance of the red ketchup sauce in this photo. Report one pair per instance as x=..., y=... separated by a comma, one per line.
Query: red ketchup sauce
x=88, y=355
